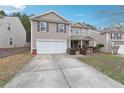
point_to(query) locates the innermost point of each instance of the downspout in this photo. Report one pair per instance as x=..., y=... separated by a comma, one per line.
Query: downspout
x=31, y=36
x=69, y=40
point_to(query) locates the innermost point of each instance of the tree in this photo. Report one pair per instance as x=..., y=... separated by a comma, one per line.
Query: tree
x=99, y=46
x=2, y=13
x=26, y=23
x=115, y=48
x=17, y=14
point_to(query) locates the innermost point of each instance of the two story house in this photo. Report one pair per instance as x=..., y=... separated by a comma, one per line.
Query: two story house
x=112, y=36
x=51, y=33
x=12, y=32
x=81, y=36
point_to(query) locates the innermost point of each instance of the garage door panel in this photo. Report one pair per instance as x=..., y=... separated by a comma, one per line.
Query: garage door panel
x=61, y=47
x=41, y=46
x=48, y=47
x=121, y=49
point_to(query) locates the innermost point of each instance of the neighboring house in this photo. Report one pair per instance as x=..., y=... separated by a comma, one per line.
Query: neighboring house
x=112, y=36
x=51, y=33
x=81, y=36
x=12, y=32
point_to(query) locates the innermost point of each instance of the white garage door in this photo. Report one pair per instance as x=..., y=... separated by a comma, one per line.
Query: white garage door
x=121, y=49
x=51, y=46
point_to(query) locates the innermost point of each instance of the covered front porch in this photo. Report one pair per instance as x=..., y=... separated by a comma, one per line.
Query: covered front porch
x=77, y=44
x=82, y=42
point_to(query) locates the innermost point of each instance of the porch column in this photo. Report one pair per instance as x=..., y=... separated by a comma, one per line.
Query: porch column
x=94, y=43
x=81, y=43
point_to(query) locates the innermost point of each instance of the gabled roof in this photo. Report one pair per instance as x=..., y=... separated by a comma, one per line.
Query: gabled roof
x=49, y=12
x=88, y=38
x=112, y=29
x=79, y=25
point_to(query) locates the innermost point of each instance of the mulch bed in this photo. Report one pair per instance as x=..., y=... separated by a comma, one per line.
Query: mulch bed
x=12, y=51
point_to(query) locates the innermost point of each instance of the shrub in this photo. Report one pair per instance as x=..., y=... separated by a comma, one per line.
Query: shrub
x=96, y=49
x=100, y=45
x=72, y=51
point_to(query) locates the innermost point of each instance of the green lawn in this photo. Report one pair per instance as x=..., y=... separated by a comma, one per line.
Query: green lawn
x=111, y=65
x=10, y=65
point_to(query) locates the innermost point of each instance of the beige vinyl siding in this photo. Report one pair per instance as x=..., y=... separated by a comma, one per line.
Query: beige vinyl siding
x=17, y=33
x=122, y=36
x=94, y=34
x=51, y=16
x=51, y=34
x=102, y=40
x=53, y=19
x=107, y=43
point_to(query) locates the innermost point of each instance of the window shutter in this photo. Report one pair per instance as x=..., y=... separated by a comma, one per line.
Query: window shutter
x=57, y=28
x=64, y=28
x=47, y=27
x=38, y=26
x=117, y=36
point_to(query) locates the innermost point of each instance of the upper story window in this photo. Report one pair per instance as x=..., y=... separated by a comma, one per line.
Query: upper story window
x=119, y=36
x=9, y=26
x=115, y=36
x=76, y=30
x=42, y=26
x=61, y=28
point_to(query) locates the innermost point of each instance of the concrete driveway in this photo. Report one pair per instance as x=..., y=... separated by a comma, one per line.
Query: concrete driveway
x=60, y=71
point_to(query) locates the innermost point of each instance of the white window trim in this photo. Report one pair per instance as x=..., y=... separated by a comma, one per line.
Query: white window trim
x=61, y=27
x=115, y=36
x=76, y=30
x=40, y=26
